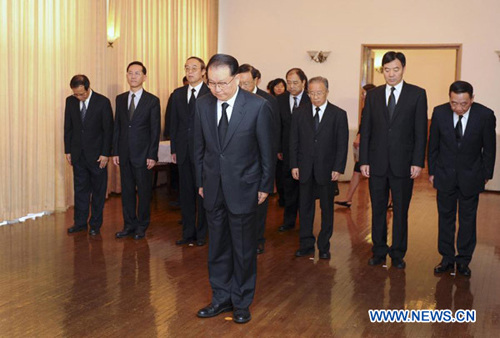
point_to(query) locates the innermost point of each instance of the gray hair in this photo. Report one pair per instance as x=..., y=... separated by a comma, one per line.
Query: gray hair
x=319, y=79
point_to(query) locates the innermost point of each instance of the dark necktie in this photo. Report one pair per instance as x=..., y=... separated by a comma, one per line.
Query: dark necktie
x=131, y=109
x=83, y=112
x=295, y=103
x=192, y=100
x=392, y=103
x=223, y=124
x=459, y=132
x=316, y=119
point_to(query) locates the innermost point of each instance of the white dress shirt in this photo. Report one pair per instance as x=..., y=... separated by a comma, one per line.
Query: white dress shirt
x=397, y=92
x=229, y=109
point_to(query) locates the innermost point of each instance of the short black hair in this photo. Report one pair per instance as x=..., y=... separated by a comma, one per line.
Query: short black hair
x=459, y=87
x=202, y=63
x=224, y=60
x=369, y=87
x=144, y=70
x=300, y=73
x=392, y=55
x=244, y=68
x=276, y=82
x=80, y=80
x=259, y=75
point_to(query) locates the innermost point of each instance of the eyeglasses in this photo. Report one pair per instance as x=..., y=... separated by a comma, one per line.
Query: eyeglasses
x=191, y=69
x=134, y=73
x=461, y=104
x=316, y=93
x=221, y=85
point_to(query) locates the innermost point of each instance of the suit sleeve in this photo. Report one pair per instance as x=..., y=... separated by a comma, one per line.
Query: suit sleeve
x=199, y=147
x=266, y=148
x=155, y=128
x=68, y=128
x=294, y=141
x=116, y=129
x=277, y=123
x=420, y=131
x=365, y=131
x=489, y=145
x=107, y=125
x=168, y=119
x=433, y=143
x=342, y=141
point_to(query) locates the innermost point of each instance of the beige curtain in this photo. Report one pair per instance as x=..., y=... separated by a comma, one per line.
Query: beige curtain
x=43, y=43
x=161, y=34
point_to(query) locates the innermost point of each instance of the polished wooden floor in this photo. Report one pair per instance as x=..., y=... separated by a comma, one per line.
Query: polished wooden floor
x=53, y=284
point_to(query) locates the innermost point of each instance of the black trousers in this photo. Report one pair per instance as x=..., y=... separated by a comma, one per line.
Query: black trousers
x=136, y=206
x=291, y=188
x=279, y=182
x=260, y=221
x=308, y=193
x=90, y=183
x=401, y=190
x=447, y=202
x=232, y=255
x=191, y=202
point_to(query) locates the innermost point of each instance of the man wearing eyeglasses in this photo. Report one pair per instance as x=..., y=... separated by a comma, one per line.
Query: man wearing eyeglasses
x=234, y=163
x=318, y=153
x=136, y=139
x=183, y=99
x=462, y=150
x=249, y=77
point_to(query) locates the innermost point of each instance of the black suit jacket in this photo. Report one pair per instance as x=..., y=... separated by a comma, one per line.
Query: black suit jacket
x=286, y=122
x=276, y=116
x=244, y=165
x=321, y=151
x=182, y=123
x=470, y=165
x=138, y=139
x=94, y=136
x=395, y=144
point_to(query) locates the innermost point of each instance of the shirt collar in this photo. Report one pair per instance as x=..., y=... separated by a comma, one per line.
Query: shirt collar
x=197, y=88
x=230, y=102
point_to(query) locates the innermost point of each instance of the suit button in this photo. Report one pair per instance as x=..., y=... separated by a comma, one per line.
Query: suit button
x=130, y=126
x=315, y=141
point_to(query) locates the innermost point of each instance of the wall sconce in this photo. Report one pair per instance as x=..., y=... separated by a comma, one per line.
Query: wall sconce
x=112, y=37
x=498, y=53
x=318, y=56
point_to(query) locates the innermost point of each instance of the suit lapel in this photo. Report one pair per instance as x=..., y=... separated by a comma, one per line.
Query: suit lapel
x=382, y=102
x=472, y=123
x=185, y=105
x=236, y=116
x=140, y=106
x=327, y=115
x=90, y=108
x=211, y=116
x=401, y=101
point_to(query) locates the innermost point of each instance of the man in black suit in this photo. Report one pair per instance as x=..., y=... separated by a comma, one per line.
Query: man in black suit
x=135, y=149
x=249, y=76
x=88, y=133
x=462, y=150
x=392, y=154
x=318, y=153
x=234, y=163
x=288, y=102
x=183, y=101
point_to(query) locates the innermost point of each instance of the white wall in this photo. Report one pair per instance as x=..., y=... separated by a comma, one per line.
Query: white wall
x=274, y=35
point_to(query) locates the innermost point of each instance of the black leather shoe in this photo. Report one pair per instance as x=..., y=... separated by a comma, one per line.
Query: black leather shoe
x=284, y=228
x=324, y=255
x=94, y=232
x=124, y=233
x=398, y=263
x=344, y=203
x=212, y=310
x=183, y=241
x=376, y=260
x=201, y=242
x=242, y=316
x=139, y=235
x=304, y=252
x=464, y=270
x=440, y=268
x=260, y=249
x=76, y=228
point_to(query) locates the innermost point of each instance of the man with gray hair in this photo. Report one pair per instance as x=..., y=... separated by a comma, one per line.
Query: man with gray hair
x=318, y=153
